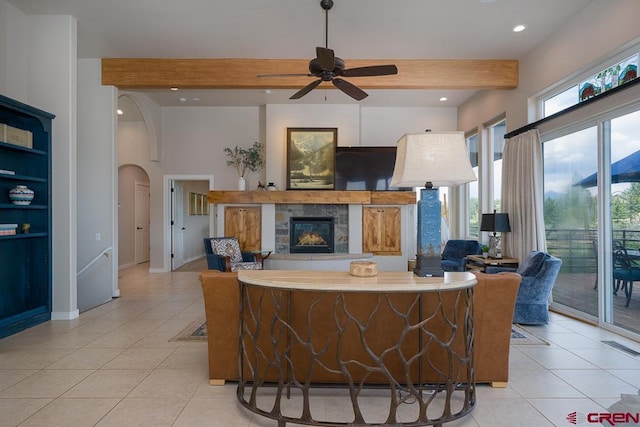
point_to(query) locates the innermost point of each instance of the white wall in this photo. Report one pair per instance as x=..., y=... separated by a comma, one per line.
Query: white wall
x=133, y=143
x=193, y=139
x=280, y=117
x=14, y=34
x=52, y=62
x=599, y=29
x=96, y=186
x=384, y=126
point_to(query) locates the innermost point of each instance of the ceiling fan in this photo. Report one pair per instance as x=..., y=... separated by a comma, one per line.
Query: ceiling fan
x=328, y=67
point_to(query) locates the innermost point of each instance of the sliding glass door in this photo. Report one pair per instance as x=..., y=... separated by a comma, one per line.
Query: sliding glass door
x=591, y=221
x=625, y=218
x=571, y=217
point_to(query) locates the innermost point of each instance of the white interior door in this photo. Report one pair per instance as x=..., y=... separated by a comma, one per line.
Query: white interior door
x=142, y=221
x=177, y=225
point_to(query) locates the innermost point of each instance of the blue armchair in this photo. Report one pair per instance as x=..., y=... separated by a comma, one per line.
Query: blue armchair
x=539, y=271
x=454, y=255
x=223, y=253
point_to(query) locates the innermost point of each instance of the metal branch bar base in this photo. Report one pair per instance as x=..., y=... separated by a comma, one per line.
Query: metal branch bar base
x=378, y=351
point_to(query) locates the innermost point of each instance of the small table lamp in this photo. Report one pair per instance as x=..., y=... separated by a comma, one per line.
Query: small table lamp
x=495, y=222
x=431, y=160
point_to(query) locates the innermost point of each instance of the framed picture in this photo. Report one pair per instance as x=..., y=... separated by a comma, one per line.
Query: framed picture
x=201, y=203
x=205, y=204
x=193, y=203
x=311, y=157
x=198, y=204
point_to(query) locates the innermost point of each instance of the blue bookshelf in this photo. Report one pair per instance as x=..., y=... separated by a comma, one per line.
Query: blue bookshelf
x=25, y=258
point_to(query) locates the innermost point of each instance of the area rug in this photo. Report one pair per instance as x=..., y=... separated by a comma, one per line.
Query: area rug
x=519, y=336
x=196, y=331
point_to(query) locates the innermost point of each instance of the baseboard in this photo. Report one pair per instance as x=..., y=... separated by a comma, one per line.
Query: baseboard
x=65, y=315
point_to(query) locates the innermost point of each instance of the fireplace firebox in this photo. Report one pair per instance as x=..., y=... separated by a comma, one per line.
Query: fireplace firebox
x=311, y=234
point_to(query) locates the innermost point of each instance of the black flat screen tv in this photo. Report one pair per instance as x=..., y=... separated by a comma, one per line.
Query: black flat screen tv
x=365, y=168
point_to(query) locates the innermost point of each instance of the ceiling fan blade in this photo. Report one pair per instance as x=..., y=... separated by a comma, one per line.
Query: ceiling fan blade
x=284, y=75
x=305, y=90
x=353, y=91
x=326, y=58
x=373, y=70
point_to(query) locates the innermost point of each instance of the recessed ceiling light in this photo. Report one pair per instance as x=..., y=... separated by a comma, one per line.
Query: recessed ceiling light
x=174, y=88
x=120, y=112
x=182, y=99
x=267, y=91
x=444, y=98
x=519, y=28
x=195, y=99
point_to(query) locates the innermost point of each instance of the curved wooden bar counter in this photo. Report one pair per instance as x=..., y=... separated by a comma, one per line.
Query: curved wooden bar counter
x=411, y=336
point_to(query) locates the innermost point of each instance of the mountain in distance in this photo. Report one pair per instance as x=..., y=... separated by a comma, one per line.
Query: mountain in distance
x=553, y=195
x=311, y=145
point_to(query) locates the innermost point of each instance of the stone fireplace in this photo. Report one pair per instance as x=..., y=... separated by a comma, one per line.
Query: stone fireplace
x=345, y=207
x=311, y=234
x=314, y=215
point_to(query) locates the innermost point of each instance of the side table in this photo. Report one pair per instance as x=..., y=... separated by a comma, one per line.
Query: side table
x=478, y=262
x=261, y=256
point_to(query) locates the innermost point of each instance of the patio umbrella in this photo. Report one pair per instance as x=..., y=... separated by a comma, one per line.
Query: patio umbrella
x=626, y=169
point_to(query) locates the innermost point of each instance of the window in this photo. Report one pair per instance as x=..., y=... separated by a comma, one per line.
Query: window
x=496, y=139
x=561, y=101
x=608, y=78
x=473, y=201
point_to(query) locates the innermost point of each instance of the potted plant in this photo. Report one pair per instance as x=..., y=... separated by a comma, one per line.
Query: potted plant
x=245, y=159
x=485, y=251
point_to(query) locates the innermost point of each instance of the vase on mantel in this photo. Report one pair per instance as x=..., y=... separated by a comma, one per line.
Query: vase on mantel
x=21, y=195
x=242, y=184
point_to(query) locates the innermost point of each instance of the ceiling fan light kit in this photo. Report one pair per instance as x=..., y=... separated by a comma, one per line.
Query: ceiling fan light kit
x=329, y=68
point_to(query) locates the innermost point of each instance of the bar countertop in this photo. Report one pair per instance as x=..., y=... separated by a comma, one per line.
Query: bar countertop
x=343, y=281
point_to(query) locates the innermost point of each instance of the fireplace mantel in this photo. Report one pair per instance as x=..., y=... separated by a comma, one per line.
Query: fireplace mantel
x=394, y=208
x=314, y=197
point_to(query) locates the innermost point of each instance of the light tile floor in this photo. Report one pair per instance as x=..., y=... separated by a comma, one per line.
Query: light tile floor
x=116, y=366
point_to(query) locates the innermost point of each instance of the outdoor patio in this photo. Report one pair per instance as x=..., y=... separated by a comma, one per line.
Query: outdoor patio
x=576, y=290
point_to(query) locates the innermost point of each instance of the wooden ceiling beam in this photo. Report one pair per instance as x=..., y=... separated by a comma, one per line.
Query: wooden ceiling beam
x=241, y=73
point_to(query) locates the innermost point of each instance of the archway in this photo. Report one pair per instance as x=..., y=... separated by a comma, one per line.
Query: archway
x=133, y=216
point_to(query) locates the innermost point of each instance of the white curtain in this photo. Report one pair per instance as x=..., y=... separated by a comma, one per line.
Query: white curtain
x=522, y=194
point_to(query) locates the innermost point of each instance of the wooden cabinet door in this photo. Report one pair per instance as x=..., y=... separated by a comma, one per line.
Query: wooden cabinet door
x=381, y=230
x=244, y=223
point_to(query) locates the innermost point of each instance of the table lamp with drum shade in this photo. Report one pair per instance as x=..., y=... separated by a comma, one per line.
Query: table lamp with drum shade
x=495, y=223
x=431, y=160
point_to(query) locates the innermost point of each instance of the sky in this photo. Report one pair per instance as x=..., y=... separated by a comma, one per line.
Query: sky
x=574, y=156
